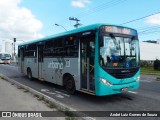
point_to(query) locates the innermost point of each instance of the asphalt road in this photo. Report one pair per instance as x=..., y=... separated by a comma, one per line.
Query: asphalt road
x=146, y=98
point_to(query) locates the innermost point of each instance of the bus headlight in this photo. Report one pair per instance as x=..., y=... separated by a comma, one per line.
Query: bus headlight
x=138, y=79
x=105, y=82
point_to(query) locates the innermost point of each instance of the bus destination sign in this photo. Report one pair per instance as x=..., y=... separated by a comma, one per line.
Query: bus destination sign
x=120, y=30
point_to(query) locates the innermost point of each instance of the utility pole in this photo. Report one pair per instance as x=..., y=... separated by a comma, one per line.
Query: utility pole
x=14, y=54
x=77, y=21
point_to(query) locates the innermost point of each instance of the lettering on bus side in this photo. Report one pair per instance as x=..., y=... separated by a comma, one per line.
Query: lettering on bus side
x=58, y=64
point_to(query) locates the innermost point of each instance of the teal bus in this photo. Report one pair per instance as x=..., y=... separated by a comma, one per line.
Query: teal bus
x=99, y=59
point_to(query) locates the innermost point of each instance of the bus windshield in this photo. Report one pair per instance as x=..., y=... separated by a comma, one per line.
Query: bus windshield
x=119, y=52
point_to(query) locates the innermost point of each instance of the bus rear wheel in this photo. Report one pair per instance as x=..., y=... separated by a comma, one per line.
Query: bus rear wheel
x=70, y=85
x=29, y=74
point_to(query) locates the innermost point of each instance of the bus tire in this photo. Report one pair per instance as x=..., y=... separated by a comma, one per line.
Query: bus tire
x=70, y=84
x=29, y=74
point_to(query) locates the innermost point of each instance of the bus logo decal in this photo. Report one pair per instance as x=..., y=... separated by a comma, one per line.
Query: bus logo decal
x=59, y=64
x=55, y=65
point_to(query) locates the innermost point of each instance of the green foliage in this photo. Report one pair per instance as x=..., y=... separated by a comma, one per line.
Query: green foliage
x=145, y=63
x=149, y=71
x=156, y=64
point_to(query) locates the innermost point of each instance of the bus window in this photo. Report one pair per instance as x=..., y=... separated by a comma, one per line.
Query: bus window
x=48, y=48
x=119, y=52
x=71, y=46
x=31, y=50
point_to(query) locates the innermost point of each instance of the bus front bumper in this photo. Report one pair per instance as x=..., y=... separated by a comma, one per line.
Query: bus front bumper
x=103, y=89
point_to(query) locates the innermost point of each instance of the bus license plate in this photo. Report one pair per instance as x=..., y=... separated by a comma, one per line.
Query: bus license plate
x=124, y=89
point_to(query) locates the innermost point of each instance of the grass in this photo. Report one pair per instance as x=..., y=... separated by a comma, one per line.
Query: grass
x=149, y=71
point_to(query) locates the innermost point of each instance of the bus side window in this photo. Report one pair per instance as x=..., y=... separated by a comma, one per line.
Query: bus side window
x=57, y=49
x=30, y=50
x=48, y=48
x=71, y=46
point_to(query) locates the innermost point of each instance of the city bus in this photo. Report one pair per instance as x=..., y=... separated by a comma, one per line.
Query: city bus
x=5, y=58
x=98, y=59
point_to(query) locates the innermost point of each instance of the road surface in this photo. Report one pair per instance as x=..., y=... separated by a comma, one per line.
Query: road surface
x=146, y=98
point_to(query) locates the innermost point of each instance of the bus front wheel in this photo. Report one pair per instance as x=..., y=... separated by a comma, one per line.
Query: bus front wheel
x=70, y=85
x=29, y=74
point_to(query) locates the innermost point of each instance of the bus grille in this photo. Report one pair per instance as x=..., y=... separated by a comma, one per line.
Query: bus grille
x=123, y=73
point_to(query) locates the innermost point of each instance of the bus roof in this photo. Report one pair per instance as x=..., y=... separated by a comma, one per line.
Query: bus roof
x=78, y=30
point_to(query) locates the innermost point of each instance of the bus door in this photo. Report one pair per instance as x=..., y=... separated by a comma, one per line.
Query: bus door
x=40, y=61
x=22, y=60
x=87, y=63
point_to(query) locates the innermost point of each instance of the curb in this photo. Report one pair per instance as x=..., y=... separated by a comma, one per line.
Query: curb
x=59, y=106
